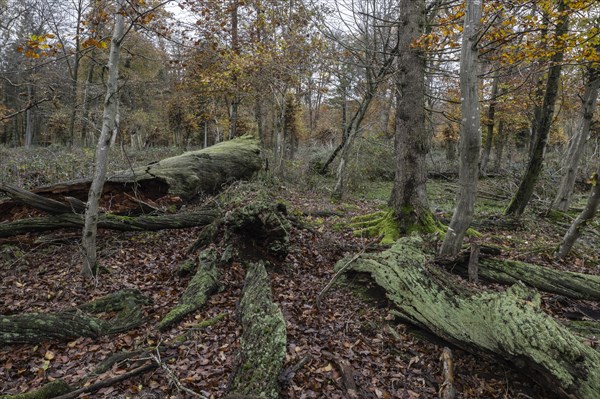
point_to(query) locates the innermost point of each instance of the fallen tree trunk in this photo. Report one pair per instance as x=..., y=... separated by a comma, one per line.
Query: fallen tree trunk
x=203, y=284
x=508, y=324
x=569, y=284
x=263, y=342
x=108, y=221
x=77, y=322
x=185, y=176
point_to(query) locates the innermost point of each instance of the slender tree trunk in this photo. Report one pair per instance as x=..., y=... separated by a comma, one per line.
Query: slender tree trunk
x=412, y=139
x=501, y=139
x=470, y=138
x=350, y=135
x=485, y=155
x=235, y=101
x=75, y=76
x=108, y=125
x=29, y=119
x=584, y=217
x=577, y=144
x=542, y=127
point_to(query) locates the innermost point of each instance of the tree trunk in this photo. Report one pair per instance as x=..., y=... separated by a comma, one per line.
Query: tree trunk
x=582, y=220
x=485, y=155
x=508, y=324
x=501, y=139
x=412, y=140
x=542, y=126
x=88, y=241
x=263, y=341
x=203, y=284
x=578, y=141
x=503, y=271
x=108, y=221
x=35, y=328
x=470, y=138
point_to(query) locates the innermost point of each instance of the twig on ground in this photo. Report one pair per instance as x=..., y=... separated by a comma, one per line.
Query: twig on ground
x=343, y=269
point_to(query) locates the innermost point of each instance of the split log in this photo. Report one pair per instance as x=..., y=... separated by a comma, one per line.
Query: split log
x=108, y=221
x=569, y=284
x=508, y=324
x=204, y=283
x=185, y=176
x=77, y=322
x=263, y=342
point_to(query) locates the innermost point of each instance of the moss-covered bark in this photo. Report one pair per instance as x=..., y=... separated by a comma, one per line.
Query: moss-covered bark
x=205, y=170
x=390, y=225
x=263, y=342
x=50, y=390
x=569, y=284
x=509, y=324
x=112, y=222
x=202, y=285
x=77, y=322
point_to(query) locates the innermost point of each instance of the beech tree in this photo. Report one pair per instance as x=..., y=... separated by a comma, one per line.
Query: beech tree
x=412, y=140
x=542, y=120
x=89, y=268
x=470, y=137
x=578, y=141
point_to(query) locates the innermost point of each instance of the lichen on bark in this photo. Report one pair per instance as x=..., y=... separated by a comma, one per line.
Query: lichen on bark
x=508, y=324
x=263, y=342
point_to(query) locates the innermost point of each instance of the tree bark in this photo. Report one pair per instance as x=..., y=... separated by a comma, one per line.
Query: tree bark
x=412, y=140
x=263, y=341
x=584, y=217
x=568, y=284
x=108, y=221
x=470, y=138
x=542, y=125
x=88, y=240
x=79, y=322
x=485, y=155
x=203, y=284
x=187, y=175
x=508, y=324
x=578, y=141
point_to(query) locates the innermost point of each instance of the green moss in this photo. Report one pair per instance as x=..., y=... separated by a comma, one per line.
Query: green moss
x=390, y=227
x=209, y=322
x=50, y=390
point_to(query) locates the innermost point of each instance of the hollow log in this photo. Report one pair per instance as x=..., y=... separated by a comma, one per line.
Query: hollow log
x=263, y=341
x=509, y=324
x=77, y=322
x=569, y=284
x=203, y=284
x=108, y=221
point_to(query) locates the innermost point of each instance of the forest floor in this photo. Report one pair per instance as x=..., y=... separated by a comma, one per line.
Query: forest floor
x=388, y=359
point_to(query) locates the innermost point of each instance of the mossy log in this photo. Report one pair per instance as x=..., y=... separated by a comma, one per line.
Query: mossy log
x=50, y=390
x=184, y=176
x=508, y=324
x=108, y=221
x=569, y=284
x=203, y=284
x=263, y=341
x=77, y=322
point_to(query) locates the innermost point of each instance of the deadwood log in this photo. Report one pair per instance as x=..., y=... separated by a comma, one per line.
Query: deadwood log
x=204, y=283
x=508, y=324
x=108, y=221
x=77, y=322
x=263, y=342
x=59, y=389
x=185, y=176
x=569, y=284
